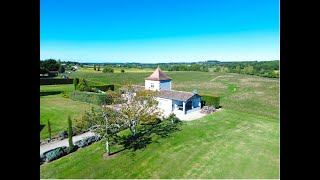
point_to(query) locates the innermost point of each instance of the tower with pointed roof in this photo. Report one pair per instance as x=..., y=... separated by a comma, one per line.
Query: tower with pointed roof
x=158, y=81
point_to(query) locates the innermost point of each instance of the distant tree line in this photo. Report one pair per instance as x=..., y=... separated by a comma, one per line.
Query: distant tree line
x=56, y=65
x=268, y=69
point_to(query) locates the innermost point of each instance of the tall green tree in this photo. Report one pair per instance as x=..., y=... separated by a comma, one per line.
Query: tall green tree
x=98, y=67
x=70, y=131
x=94, y=67
x=238, y=69
x=75, y=82
x=50, y=65
x=61, y=69
x=49, y=129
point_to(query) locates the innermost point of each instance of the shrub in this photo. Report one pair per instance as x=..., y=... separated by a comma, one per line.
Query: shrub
x=75, y=82
x=63, y=135
x=55, y=153
x=90, y=97
x=83, y=85
x=87, y=141
x=42, y=158
x=172, y=118
x=211, y=100
x=107, y=70
x=53, y=81
x=122, y=71
x=65, y=94
x=98, y=85
x=105, y=87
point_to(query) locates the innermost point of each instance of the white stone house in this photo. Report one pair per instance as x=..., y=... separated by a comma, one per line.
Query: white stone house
x=170, y=100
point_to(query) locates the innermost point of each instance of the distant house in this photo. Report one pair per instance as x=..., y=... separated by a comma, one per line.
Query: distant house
x=44, y=73
x=75, y=67
x=171, y=100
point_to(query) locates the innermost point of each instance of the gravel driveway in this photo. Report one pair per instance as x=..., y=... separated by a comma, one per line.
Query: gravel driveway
x=64, y=142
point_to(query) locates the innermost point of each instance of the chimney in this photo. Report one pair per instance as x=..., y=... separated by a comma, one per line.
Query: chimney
x=195, y=91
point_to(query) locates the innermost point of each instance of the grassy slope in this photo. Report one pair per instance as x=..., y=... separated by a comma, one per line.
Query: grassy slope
x=240, y=92
x=56, y=108
x=226, y=144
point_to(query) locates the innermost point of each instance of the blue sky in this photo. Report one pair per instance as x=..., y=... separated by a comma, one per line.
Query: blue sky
x=154, y=31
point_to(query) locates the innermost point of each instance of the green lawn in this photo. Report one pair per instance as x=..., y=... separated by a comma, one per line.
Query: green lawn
x=226, y=144
x=239, y=92
x=57, y=108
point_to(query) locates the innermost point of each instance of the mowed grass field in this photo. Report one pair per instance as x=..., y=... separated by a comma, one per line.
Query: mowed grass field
x=240, y=141
x=226, y=144
x=56, y=108
x=245, y=93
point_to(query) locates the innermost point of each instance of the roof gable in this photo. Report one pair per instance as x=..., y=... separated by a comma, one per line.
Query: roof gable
x=158, y=75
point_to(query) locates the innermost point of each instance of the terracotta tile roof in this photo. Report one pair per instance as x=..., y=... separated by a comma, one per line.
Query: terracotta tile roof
x=176, y=95
x=158, y=75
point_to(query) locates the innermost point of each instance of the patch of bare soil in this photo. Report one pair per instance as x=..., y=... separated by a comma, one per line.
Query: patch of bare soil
x=106, y=156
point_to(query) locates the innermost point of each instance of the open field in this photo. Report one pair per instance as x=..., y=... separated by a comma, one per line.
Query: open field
x=57, y=108
x=226, y=144
x=241, y=141
x=239, y=92
x=117, y=70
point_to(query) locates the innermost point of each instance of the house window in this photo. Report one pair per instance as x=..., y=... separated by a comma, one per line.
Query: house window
x=152, y=85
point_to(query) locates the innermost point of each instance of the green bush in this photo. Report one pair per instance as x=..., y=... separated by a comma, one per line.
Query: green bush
x=83, y=86
x=90, y=97
x=107, y=70
x=211, y=100
x=53, y=81
x=75, y=82
x=105, y=87
x=55, y=153
x=172, y=118
x=65, y=94
x=42, y=159
x=100, y=86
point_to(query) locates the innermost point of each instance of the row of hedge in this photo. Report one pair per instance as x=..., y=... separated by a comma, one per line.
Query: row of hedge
x=100, y=86
x=117, y=87
x=211, y=100
x=59, y=152
x=56, y=153
x=90, y=97
x=53, y=81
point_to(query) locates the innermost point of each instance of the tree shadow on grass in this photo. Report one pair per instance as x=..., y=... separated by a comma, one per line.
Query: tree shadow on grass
x=49, y=93
x=41, y=127
x=147, y=135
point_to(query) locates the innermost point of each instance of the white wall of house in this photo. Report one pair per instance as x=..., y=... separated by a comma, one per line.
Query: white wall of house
x=157, y=85
x=165, y=104
x=165, y=84
x=152, y=85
